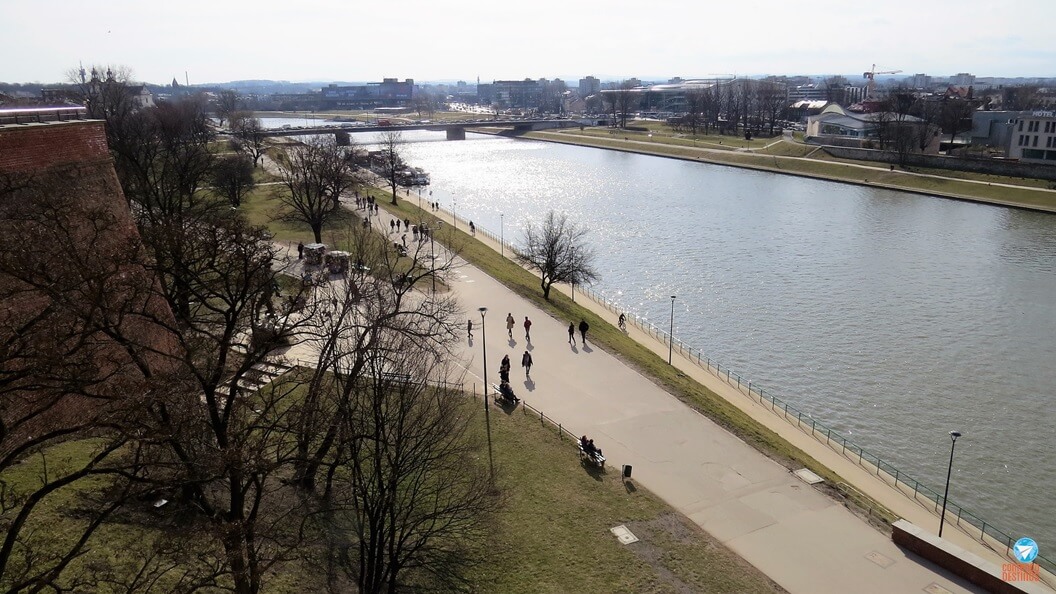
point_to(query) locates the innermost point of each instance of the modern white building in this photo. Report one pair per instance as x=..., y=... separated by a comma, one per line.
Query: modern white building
x=1033, y=137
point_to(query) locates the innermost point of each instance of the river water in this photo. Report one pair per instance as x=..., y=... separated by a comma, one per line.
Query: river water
x=892, y=317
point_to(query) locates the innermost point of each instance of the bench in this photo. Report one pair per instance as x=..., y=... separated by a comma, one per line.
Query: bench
x=496, y=389
x=596, y=458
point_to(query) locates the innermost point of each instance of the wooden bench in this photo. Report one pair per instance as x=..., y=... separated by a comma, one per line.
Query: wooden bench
x=498, y=394
x=594, y=457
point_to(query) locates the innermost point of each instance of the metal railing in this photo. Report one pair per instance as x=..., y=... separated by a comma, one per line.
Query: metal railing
x=903, y=481
x=909, y=486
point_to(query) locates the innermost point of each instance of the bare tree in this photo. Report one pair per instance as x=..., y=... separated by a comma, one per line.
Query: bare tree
x=772, y=100
x=163, y=160
x=390, y=144
x=956, y=116
x=557, y=250
x=411, y=510
x=315, y=174
x=78, y=354
x=696, y=106
x=378, y=298
x=928, y=111
x=233, y=178
x=249, y=136
x=226, y=105
x=627, y=99
x=903, y=134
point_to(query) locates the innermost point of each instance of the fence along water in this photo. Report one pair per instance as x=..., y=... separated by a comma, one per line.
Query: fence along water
x=905, y=483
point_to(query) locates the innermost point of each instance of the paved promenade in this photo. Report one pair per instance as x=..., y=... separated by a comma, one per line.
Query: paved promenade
x=798, y=536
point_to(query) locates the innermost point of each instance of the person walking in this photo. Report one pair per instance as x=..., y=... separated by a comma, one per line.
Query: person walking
x=406, y=224
x=403, y=238
x=623, y=322
x=510, y=322
x=469, y=328
x=583, y=327
x=392, y=225
x=572, y=333
x=300, y=250
x=527, y=329
x=526, y=363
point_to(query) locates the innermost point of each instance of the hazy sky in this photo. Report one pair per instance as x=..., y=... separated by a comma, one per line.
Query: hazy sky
x=222, y=40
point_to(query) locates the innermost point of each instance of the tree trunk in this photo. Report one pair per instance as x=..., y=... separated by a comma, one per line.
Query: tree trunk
x=317, y=231
x=546, y=290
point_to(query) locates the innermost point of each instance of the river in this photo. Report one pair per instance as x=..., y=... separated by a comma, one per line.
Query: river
x=892, y=317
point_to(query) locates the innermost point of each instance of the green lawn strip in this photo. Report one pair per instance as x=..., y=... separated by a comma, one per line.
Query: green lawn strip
x=696, y=395
x=828, y=169
x=553, y=535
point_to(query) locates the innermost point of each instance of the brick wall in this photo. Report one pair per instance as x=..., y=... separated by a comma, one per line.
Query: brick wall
x=35, y=147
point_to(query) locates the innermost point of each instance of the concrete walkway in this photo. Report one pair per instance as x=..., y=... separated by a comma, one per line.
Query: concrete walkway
x=798, y=536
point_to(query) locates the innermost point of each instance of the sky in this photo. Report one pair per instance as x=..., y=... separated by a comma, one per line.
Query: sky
x=427, y=40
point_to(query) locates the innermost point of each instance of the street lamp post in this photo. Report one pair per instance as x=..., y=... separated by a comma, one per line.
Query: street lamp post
x=419, y=197
x=953, y=443
x=572, y=282
x=487, y=413
x=432, y=260
x=671, y=332
x=454, y=214
x=502, y=235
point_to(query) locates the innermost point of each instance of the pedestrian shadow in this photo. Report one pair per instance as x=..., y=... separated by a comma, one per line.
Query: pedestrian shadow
x=469, y=341
x=587, y=349
x=529, y=384
x=574, y=349
x=512, y=342
x=530, y=346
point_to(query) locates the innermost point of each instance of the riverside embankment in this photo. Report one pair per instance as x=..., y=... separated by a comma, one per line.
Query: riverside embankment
x=805, y=543
x=865, y=174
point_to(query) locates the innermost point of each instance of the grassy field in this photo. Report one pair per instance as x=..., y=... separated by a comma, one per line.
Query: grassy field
x=552, y=535
x=557, y=520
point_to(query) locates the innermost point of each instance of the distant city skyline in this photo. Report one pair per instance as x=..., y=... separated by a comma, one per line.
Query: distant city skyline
x=216, y=42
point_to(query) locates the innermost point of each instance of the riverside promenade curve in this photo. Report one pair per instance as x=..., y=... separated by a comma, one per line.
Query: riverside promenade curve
x=797, y=535
x=800, y=537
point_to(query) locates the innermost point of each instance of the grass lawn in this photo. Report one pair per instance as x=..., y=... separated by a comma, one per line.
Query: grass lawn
x=557, y=520
x=555, y=524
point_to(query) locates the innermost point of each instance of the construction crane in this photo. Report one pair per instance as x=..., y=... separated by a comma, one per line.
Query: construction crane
x=870, y=86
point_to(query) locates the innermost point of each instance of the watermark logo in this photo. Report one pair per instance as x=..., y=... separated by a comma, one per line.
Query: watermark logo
x=1025, y=551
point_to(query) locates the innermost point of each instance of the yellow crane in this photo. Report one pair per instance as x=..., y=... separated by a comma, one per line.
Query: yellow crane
x=870, y=86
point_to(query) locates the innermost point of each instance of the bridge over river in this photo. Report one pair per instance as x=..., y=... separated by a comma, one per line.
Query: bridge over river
x=455, y=130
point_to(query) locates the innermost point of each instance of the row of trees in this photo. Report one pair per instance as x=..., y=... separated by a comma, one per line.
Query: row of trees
x=751, y=106
x=142, y=342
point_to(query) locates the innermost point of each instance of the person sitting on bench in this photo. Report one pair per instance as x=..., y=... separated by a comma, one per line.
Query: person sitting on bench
x=507, y=392
x=591, y=449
